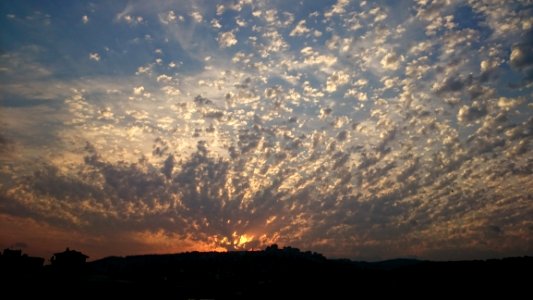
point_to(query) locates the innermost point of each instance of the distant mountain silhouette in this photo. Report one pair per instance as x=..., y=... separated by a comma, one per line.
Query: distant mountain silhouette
x=273, y=273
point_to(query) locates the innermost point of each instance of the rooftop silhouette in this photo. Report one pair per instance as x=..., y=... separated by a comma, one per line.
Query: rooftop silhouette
x=68, y=258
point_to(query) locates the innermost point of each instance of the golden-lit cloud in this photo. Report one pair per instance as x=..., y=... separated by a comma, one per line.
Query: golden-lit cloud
x=353, y=128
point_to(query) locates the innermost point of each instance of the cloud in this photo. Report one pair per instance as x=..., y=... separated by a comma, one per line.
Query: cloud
x=469, y=113
x=197, y=16
x=300, y=29
x=337, y=8
x=94, y=56
x=168, y=166
x=227, y=39
x=451, y=84
x=170, y=17
x=335, y=80
x=171, y=91
x=85, y=19
x=521, y=57
x=506, y=103
x=23, y=64
x=439, y=23
x=390, y=61
x=125, y=12
x=274, y=43
x=164, y=78
x=314, y=58
x=216, y=24
x=138, y=90
x=382, y=135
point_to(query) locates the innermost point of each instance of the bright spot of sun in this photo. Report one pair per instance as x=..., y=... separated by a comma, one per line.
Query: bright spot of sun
x=241, y=240
x=245, y=239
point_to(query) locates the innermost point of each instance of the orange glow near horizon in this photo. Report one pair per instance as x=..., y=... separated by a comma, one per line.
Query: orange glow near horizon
x=243, y=239
x=358, y=129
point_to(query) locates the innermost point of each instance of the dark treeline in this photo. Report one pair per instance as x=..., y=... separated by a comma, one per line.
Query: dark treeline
x=272, y=273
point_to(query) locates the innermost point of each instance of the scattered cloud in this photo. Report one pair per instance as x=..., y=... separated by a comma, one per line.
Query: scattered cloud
x=197, y=16
x=390, y=61
x=469, y=113
x=300, y=29
x=335, y=80
x=164, y=78
x=337, y=8
x=358, y=129
x=138, y=90
x=94, y=56
x=227, y=39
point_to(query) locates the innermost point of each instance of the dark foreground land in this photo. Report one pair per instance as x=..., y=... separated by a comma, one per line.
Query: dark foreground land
x=271, y=274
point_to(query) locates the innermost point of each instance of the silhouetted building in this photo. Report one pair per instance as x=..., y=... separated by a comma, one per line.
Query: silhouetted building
x=15, y=262
x=69, y=259
x=9, y=253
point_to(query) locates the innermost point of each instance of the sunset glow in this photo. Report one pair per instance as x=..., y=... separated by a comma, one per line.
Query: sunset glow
x=359, y=129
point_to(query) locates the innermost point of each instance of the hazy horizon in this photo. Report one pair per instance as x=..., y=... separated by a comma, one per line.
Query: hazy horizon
x=367, y=130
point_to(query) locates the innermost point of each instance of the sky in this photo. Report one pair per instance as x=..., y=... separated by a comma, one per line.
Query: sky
x=360, y=129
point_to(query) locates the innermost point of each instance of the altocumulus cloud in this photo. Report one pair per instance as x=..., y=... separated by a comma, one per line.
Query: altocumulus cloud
x=338, y=127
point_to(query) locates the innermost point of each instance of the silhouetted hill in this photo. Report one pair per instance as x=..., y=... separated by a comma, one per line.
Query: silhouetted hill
x=387, y=264
x=279, y=273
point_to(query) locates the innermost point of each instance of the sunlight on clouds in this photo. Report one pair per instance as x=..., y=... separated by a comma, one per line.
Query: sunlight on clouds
x=300, y=29
x=197, y=16
x=242, y=240
x=94, y=56
x=138, y=90
x=358, y=129
x=163, y=242
x=390, y=61
x=226, y=39
x=335, y=80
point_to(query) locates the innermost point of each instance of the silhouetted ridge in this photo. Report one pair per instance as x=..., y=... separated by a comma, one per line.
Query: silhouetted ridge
x=272, y=273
